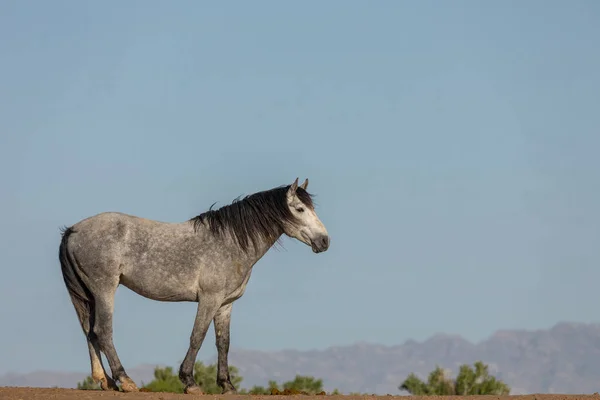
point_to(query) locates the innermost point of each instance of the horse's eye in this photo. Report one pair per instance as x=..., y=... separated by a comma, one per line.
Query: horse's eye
x=300, y=209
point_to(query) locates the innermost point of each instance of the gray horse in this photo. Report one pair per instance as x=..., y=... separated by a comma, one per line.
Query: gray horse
x=207, y=260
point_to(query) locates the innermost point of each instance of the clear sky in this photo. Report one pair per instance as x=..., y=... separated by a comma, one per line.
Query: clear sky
x=453, y=148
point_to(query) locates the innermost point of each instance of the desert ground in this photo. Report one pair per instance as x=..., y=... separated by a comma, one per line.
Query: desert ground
x=21, y=393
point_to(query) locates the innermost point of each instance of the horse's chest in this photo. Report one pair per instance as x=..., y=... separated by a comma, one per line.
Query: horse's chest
x=238, y=290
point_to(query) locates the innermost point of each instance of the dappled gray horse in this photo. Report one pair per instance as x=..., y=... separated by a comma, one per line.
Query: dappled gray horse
x=207, y=260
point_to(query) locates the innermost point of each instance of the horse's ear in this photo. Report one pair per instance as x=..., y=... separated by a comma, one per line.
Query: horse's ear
x=293, y=188
x=305, y=184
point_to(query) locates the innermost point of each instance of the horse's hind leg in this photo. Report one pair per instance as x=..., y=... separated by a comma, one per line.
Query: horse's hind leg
x=99, y=374
x=104, y=332
x=86, y=318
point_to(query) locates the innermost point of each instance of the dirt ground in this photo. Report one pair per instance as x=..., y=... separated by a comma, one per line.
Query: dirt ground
x=20, y=393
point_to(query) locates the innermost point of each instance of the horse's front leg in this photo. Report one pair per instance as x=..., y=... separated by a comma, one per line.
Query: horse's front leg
x=207, y=307
x=222, y=323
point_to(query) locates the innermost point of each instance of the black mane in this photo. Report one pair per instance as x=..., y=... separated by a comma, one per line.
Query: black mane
x=257, y=217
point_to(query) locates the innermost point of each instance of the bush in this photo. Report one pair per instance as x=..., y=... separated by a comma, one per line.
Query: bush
x=469, y=381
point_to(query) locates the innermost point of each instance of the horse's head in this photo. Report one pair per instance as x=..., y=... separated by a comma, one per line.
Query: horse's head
x=307, y=227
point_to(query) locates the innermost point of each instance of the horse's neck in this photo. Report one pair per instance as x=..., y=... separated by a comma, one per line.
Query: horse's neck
x=264, y=247
x=228, y=244
x=256, y=253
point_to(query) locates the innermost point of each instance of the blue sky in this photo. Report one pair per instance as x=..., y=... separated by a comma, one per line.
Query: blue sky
x=452, y=147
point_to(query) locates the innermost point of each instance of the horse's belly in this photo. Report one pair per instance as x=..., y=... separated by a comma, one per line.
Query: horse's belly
x=161, y=291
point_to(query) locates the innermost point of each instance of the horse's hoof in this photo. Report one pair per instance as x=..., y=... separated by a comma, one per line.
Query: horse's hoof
x=196, y=390
x=108, y=384
x=128, y=385
x=227, y=387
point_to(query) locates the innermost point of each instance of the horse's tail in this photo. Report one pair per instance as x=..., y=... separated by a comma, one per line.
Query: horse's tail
x=80, y=294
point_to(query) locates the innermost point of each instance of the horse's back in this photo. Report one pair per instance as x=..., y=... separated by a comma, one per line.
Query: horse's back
x=108, y=218
x=109, y=234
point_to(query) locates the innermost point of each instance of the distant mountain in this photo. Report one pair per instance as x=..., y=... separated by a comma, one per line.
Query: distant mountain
x=563, y=359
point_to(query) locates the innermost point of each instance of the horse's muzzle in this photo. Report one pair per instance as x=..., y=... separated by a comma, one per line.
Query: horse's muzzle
x=320, y=244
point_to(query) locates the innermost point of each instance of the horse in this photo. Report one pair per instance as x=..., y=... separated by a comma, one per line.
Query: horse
x=207, y=259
